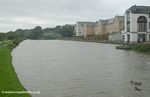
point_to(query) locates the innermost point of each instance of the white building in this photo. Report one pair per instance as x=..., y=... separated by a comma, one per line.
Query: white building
x=79, y=28
x=83, y=29
x=137, y=24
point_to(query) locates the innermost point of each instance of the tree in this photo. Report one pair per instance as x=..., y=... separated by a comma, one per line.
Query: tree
x=57, y=29
x=21, y=33
x=12, y=35
x=36, y=32
x=3, y=36
x=67, y=30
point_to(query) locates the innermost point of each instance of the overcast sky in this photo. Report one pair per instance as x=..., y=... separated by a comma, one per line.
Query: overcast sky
x=24, y=14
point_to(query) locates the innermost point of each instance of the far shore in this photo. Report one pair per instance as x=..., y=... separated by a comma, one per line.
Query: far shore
x=139, y=47
x=91, y=40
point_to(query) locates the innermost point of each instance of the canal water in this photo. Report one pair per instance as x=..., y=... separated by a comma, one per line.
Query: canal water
x=59, y=68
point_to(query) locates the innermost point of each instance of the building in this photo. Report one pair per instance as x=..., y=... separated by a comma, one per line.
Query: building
x=115, y=36
x=137, y=24
x=110, y=29
x=79, y=29
x=100, y=32
x=85, y=29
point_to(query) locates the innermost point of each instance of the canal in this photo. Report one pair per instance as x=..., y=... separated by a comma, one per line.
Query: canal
x=59, y=68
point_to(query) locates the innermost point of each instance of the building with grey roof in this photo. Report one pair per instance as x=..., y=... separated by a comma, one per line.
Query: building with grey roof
x=137, y=24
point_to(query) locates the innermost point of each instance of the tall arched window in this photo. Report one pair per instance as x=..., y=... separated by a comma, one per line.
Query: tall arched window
x=142, y=24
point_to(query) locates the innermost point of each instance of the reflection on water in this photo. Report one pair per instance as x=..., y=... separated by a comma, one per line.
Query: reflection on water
x=79, y=69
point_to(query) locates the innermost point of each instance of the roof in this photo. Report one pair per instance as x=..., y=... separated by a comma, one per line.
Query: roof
x=90, y=24
x=139, y=9
x=103, y=21
x=111, y=20
x=121, y=18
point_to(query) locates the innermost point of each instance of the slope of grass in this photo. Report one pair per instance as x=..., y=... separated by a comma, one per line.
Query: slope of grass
x=8, y=77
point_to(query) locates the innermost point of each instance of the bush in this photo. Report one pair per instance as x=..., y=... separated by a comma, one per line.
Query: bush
x=17, y=41
x=11, y=45
x=141, y=47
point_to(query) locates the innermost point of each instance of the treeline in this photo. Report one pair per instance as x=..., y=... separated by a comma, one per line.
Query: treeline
x=39, y=33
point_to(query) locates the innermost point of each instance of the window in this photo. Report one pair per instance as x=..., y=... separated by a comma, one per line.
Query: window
x=128, y=27
x=128, y=21
x=123, y=38
x=149, y=25
x=128, y=37
x=142, y=37
x=79, y=33
x=142, y=24
x=128, y=15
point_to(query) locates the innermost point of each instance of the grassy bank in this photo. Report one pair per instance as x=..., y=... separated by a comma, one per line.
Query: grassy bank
x=136, y=47
x=8, y=77
x=141, y=47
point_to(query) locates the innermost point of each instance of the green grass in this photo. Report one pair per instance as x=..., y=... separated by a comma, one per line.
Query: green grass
x=8, y=77
x=145, y=48
x=141, y=47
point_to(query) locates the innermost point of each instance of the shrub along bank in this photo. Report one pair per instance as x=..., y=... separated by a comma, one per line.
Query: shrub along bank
x=141, y=47
x=136, y=47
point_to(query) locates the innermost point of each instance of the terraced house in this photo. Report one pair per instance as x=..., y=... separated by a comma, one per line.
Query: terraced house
x=102, y=29
x=137, y=24
x=110, y=29
x=85, y=29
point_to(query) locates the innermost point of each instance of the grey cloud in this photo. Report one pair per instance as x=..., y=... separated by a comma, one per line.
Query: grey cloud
x=46, y=13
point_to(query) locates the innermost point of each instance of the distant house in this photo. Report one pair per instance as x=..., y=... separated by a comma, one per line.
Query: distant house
x=110, y=29
x=85, y=29
x=79, y=29
x=137, y=24
x=101, y=29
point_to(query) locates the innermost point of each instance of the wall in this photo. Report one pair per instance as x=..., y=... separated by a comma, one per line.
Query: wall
x=134, y=37
x=115, y=36
x=104, y=27
x=79, y=29
x=100, y=28
x=134, y=18
x=89, y=31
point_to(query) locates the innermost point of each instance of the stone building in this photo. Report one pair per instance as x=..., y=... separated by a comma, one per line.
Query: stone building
x=107, y=28
x=100, y=32
x=137, y=24
x=85, y=29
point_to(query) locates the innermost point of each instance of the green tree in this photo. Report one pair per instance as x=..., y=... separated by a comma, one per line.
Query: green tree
x=36, y=32
x=3, y=36
x=57, y=29
x=12, y=35
x=21, y=33
x=67, y=30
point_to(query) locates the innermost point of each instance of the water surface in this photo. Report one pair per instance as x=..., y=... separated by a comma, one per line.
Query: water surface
x=80, y=69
